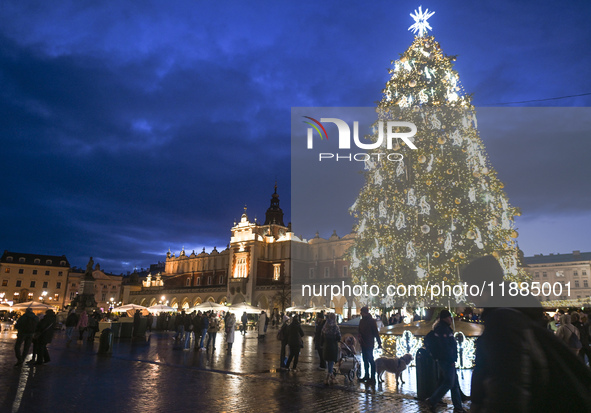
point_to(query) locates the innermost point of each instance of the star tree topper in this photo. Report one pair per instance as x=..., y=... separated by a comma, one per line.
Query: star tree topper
x=421, y=25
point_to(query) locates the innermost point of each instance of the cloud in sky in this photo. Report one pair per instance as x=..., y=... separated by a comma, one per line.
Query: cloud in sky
x=129, y=128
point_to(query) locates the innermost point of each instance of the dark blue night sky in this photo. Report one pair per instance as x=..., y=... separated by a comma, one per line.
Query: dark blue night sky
x=131, y=127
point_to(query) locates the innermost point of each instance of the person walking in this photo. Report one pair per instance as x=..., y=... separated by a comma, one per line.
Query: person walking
x=230, y=328
x=71, y=323
x=212, y=330
x=331, y=336
x=244, y=324
x=44, y=335
x=82, y=324
x=197, y=328
x=204, y=328
x=93, y=325
x=262, y=325
x=188, y=322
x=368, y=331
x=25, y=325
x=294, y=339
x=179, y=325
x=320, y=321
x=447, y=356
x=150, y=319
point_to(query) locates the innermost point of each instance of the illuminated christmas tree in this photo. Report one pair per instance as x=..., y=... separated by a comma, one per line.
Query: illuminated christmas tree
x=422, y=218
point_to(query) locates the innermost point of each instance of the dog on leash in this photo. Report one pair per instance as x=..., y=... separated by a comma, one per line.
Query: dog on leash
x=394, y=365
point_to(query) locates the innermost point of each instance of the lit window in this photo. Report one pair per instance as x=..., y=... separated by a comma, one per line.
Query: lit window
x=4, y=283
x=276, y=271
x=7, y=270
x=56, y=297
x=241, y=270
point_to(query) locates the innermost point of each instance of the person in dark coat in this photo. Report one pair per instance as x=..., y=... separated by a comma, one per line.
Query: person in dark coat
x=447, y=356
x=331, y=336
x=318, y=339
x=71, y=323
x=25, y=325
x=294, y=339
x=368, y=331
x=197, y=328
x=44, y=335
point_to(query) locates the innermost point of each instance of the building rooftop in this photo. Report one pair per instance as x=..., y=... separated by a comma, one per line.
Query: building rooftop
x=34, y=259
x=556, y=258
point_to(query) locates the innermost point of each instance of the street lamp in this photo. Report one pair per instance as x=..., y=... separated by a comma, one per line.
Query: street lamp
x=43, y=295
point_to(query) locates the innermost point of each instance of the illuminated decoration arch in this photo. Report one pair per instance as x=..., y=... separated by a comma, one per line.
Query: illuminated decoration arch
x=223, y=300
x=210, y=299
x=174, y=303
x=153, y=302
x=197, y=301
x=185, y=303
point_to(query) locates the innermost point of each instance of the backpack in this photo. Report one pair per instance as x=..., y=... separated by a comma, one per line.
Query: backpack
x=281, y=332
x=573, y=341
x=431, y=342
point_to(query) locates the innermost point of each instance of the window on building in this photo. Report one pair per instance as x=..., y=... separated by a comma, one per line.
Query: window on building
x=73, y=295
x=276, y=271
x=32, y=284
x=45, y=284
x=345, y=271
x=311, y=273
x=188, y=282
x=585, y=283
x=47, y=272
x=536, y=274
x=103, y=297
x=73, y=284
x=198, y=280
x=209, y=280
x=8, y=259
x=18, y=283
x=560, y=273
x=241, y=270
x=34, y=272
x=576, y=283
x=544, y=274
x=21, y=271
x=30, y=296
x=60, y=273
x=21, y=260
x=7, y=270
x=221, y=279
x=584, y=272
x=58, y=285
x=37, y=261
x=48, y=262
x=4, y=283
x=56, y=297
x=62, y=262
x=575, y=273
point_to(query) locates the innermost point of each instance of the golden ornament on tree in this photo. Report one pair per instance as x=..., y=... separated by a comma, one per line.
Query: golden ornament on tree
x=514, y=234
x=441, y=140
x=458, y=201
x=422, y=159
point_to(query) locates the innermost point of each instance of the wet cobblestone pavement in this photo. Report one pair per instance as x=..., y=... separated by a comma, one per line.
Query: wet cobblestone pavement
x=156, y=375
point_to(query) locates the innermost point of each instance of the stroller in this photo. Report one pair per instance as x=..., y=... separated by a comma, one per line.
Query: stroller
x=348, y=364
